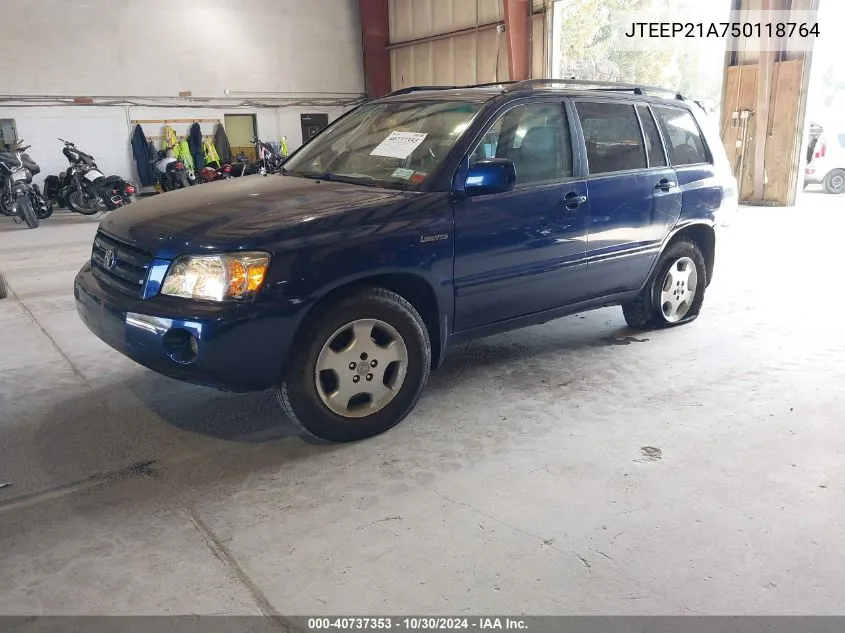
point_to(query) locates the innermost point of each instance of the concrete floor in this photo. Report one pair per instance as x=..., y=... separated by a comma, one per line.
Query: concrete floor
x=519, y=485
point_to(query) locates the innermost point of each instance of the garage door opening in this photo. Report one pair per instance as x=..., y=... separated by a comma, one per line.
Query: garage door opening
x=824, y=171
x=589, y=43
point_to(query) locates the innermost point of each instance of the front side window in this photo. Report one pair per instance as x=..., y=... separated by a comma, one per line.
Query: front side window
x=683, y=138
x=535, y=137
x=396, y=145
x=612, y=135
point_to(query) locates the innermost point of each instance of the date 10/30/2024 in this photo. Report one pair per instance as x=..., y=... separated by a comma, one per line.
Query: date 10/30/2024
x=417, y=623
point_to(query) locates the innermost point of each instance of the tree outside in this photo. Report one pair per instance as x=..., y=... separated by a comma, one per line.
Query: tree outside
x=591, y=47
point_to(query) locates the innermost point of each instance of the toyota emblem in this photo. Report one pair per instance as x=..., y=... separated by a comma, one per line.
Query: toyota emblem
x=109, y=259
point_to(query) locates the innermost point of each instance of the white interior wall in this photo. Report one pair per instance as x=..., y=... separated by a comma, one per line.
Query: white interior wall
x=104, y=132
x=161, y=47
x=128, y=49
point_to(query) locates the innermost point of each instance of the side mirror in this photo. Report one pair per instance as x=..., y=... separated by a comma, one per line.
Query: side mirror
x=494, y=175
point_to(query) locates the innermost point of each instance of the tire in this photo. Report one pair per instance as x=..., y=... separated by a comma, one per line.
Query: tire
x=75, y=202
x=303, y=392
x=27, y=212
x=648, y=311
x=4, y=292
x=834, y=182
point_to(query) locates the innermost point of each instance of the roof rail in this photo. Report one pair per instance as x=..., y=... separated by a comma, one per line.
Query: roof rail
x=410, y=89
x=601, y=85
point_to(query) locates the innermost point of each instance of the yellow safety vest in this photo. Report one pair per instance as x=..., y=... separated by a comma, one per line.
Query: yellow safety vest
x=211, y=155
x=183, y=153
x=169, y=139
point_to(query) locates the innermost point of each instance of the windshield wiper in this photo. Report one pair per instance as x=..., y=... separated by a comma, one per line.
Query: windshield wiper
x=366, y=181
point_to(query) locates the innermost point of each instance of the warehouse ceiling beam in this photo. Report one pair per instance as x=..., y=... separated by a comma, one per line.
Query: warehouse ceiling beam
x=375, y=27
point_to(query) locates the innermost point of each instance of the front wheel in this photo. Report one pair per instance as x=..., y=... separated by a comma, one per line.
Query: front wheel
x=360, y=370
x=81, y=202
x=834, y=182
x=674, y=294
x=27, y=213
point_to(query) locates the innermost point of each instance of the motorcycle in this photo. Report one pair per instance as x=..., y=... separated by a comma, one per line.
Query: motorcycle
x=269, y=160
x=243, y=166
x=215, y=171
x=85, y=189
x=19, y=197
x=170, y=171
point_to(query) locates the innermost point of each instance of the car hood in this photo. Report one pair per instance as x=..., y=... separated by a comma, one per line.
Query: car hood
x=235, y=214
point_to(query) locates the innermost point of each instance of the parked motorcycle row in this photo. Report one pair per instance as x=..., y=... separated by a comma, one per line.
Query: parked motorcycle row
x=84, y=189
x=171, y=173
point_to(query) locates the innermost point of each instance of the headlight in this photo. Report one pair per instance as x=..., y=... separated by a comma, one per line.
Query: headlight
x=216, y=277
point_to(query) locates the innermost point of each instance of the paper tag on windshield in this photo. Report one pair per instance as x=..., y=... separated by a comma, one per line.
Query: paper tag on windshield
x=402, y=173
x=399, y=144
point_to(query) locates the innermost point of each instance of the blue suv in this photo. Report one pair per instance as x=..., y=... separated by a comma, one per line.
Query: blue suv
x=429, y=217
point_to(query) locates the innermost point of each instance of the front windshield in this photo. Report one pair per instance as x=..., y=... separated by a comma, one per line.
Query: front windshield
x=396, y=145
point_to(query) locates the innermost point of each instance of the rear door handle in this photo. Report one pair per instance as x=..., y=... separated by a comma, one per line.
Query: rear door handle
x=572, y=200
x=665, y=184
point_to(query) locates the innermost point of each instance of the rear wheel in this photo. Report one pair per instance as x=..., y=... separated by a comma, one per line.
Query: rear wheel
x=360, y=370
x=834, y=182
x=675, y=292
x=26, y=211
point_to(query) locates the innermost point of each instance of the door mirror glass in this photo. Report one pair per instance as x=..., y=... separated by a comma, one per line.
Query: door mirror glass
x=493, y=175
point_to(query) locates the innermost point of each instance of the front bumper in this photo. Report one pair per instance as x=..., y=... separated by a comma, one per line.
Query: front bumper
x=230, y=346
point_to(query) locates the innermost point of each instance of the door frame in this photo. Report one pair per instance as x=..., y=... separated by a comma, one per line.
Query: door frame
x=251, y=153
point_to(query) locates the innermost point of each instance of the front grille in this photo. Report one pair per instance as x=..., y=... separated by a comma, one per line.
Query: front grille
x=130, y=264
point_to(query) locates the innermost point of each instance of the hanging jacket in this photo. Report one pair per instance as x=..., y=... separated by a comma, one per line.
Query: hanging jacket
x=143, y=157
x=283, y=147
x=209, y=153
x=221, y=142
x=183, y=153
x=195, y=144
x=169, y=139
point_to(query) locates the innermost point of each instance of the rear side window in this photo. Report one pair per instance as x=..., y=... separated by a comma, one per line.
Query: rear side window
x=683, y=138
x=653, y=146
x=612, y=135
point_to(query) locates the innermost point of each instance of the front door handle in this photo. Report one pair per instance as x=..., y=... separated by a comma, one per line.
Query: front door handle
x=572, y=200
x=665, y=184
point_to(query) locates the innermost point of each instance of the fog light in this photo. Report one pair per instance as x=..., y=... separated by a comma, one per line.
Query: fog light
x=181, y=346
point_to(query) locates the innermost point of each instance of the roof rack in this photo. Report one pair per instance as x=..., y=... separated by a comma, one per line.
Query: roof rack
x=410, y=89
x=611, y=86
x=512, y=86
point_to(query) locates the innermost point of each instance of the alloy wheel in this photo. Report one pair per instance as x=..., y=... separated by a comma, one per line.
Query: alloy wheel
x=361, y=368
x=678, y=290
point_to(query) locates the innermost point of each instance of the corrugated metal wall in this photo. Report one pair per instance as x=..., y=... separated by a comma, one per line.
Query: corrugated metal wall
x=455, y=42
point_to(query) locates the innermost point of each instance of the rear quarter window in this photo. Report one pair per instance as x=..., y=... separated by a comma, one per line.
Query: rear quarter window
x=684, y=140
